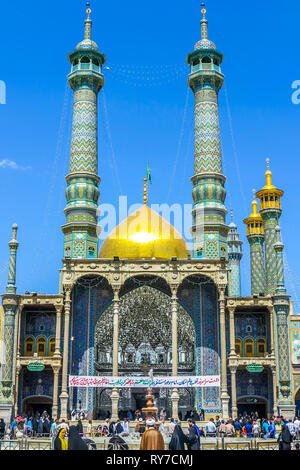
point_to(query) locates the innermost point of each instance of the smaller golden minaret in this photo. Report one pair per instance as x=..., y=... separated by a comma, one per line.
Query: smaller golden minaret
x=270, y=210
x=255, y=235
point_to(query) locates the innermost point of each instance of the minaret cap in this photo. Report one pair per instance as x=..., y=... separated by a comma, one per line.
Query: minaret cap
x=87, y=43
x=255, y=223
x=269, y=195
x=204, y=43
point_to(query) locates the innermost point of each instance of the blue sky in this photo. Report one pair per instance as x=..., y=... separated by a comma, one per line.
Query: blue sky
x=145, y=114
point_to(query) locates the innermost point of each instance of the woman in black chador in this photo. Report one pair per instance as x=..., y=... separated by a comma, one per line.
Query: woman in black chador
x=178, y=439
x=285, y=439
x=75, y=442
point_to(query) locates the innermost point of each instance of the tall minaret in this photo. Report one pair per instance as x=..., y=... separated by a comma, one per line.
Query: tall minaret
x=209, y=212
x=270, y=209
x=256, y=238
x=86, y=80
x=235, y=255
x=10, y=307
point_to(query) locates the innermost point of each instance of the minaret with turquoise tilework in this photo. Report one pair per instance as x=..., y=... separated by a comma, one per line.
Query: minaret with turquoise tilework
x=13, y=247
x=270, y=210
x=209, y=212
x=86, y=80
x=235, y=255
x=283, y=350
x=256, y=238
x=10, y=305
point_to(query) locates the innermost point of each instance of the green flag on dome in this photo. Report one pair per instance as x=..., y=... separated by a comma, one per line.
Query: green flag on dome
x=148, y=174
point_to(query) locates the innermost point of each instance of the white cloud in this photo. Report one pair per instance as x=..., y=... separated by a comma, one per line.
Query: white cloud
x=12, y=165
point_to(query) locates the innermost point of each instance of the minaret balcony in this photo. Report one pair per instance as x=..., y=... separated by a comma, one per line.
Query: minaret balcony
x=201, y=66
x=83, y=66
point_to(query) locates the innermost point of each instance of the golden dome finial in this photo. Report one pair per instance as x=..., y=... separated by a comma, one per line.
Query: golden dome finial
x=204, y=29
x=88, y=23
x=254, y=205
x=145, y=192
x=268, y=174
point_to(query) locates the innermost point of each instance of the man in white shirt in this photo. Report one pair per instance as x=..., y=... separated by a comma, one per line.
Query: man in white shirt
x=211, y=428
x=126, y=426
x=297, y=426
x=291, y=427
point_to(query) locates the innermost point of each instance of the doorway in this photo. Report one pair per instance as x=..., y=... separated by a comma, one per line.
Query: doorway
x=251, y=405
x=33, y=405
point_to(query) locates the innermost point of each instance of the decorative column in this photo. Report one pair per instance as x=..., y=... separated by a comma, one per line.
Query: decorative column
x=232, y=331
x=64, y=393
x=115, y=393
x=234, y=408
x=255, y=236
x=59, y=309
x=56, y=370
x=209, y=213
x=175, y=394
x=16, y=394
x=274, y=382
x=271, y=321
x=282, y=306
x=224, y=390
x=270, y=210
x=10, y=306
x=86, y=80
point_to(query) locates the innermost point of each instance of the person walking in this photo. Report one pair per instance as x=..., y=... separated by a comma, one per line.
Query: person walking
x=152, y=438
x=285, y=439
x=291, y=427
x=40, y=427
x=230, y=431
x=75, y=442
x=211, y=429
x=272, y=430
x=119, y=427
x=53, y=428
x=80, y=427
x=249, y=429
x=61, y=442
x=255, y=430
x=178, y=439
x=266, y=429
x=193, y=439
x=2, y=428
x=126, y=426
x=297, y=426
x=171, y=427
x=222, y=429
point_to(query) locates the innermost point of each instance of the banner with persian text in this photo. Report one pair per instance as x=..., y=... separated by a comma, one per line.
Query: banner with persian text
x=138, y=382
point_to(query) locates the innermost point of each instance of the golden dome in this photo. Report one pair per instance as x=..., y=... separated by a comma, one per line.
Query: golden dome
x=255, y=223
x=144, y=235
x=269, y=195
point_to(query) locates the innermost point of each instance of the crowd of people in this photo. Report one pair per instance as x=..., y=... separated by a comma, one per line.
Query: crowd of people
x=74, y=436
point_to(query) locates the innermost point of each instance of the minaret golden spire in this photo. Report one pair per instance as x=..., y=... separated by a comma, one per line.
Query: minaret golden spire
x=145, y=192
x=88, y=23
x=268, y=174
x=254, y=205
x=204, y=29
